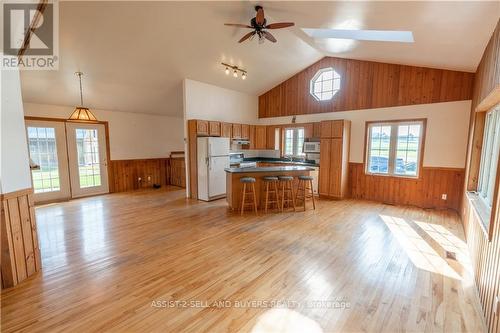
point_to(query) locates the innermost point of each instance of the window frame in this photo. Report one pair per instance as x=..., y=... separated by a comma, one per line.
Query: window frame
x=487, y=215
x=486, y=157
x=295, y=129
x=315, y=78
x=392, y=148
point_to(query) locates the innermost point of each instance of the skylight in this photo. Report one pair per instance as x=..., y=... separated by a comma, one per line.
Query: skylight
x=370, y=35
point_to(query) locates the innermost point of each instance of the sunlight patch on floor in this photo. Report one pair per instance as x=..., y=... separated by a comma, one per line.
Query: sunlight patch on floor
x=418, y=249
x=285, y=321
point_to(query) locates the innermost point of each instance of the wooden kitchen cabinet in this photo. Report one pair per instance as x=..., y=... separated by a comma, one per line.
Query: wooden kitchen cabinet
x=332, y=128
x=226, y=130
x=308, y=131
x=324, y=168
x=178, y=172
x=245, y=131
x=334, y=160
x=237, y=131
x=202, y=128
x=251, y=136
x=260, y=137
x=316, y=130
x=214, y=128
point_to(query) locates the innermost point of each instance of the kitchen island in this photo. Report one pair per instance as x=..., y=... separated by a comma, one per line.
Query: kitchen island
x=234, y=187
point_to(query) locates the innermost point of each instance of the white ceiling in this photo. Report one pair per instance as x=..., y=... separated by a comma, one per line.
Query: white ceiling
x=135, y=55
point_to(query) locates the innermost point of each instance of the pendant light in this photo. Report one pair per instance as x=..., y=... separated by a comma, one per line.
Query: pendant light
x=82, y=113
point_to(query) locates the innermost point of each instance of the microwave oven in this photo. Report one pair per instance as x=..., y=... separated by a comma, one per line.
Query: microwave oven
x=311, y=147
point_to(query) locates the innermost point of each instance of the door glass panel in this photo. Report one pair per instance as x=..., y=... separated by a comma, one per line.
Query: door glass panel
x=43, y=152
x=89, y=168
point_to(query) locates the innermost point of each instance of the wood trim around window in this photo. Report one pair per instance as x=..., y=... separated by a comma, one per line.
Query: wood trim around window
x=473, y=177
x=422, y=149
x=111, y=180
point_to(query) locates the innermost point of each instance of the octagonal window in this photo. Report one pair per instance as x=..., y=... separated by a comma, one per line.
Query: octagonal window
x=325, y=84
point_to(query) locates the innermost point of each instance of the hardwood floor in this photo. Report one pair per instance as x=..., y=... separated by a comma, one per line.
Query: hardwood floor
x=119, y=262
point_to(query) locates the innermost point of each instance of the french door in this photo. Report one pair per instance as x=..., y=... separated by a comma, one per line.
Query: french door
x=87, y=159
x=70, y=159
x=47, y=150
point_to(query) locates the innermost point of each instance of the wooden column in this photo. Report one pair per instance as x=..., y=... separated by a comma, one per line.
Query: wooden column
x=20, y=248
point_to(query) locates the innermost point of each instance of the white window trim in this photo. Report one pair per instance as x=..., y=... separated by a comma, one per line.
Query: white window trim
x=393, y=145
x=486, y=177
x=295, y=143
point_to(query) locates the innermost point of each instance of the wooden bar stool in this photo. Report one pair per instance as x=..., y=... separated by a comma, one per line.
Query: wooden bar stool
x=249, y=181
x=305, y=190
x=287, y=194
x=271, y=188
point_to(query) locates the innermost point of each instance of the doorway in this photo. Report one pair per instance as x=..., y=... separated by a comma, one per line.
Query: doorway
x=70, y=159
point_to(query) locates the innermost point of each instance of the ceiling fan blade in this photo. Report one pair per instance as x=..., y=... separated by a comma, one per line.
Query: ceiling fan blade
x=238, y=25
x=269, y=36
x=280, y=25
x=248, y=35
x=259, y=18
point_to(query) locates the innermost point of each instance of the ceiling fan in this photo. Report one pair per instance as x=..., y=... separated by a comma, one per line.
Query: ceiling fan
x=260, y=27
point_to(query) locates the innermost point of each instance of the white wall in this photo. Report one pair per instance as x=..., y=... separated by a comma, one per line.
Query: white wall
x=209, y=102
x=131, y=135
x=14, y=165
x=446, y=137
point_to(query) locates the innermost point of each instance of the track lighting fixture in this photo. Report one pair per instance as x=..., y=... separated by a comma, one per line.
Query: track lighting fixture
x=235, y=70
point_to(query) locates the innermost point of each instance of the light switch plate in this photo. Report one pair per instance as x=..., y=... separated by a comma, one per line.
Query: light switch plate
x=444, y=196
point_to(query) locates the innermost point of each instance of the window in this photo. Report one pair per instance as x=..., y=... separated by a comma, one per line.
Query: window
x=489, y=156
x=89, y=169
x=325, y=84
x=294, y=141
x=395, y=148
x=43, y=152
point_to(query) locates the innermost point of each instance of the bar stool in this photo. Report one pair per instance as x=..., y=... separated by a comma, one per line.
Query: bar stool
x=287, y=195
x=271, y=188
x=303, y=188
x=250, y=181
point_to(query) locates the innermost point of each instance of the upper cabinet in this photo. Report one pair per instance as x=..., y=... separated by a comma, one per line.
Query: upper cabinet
x=332, y=129
x=308, y=131
x=271, y=136
x=358, y=84
x=245, y=131
x=237, y=131
x=226, y=130
x=316, y=130
x=202, y=128
x=260, y=137
x=214, y=128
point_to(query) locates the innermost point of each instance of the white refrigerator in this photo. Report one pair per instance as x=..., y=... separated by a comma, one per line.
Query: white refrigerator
x=213, y=157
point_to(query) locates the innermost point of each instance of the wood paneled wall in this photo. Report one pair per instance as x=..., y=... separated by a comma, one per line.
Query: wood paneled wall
x=20, y=249
x=424, y=192
x=126, y=173
x=366, y=85
x=485, y=253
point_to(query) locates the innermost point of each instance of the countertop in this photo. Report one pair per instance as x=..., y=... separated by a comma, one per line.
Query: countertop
x=279, y=161
x=269, y=169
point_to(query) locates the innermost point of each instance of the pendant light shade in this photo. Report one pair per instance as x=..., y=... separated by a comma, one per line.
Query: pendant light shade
x=82, y=113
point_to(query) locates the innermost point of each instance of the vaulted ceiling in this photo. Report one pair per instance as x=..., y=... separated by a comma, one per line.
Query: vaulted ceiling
x=136, y=54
